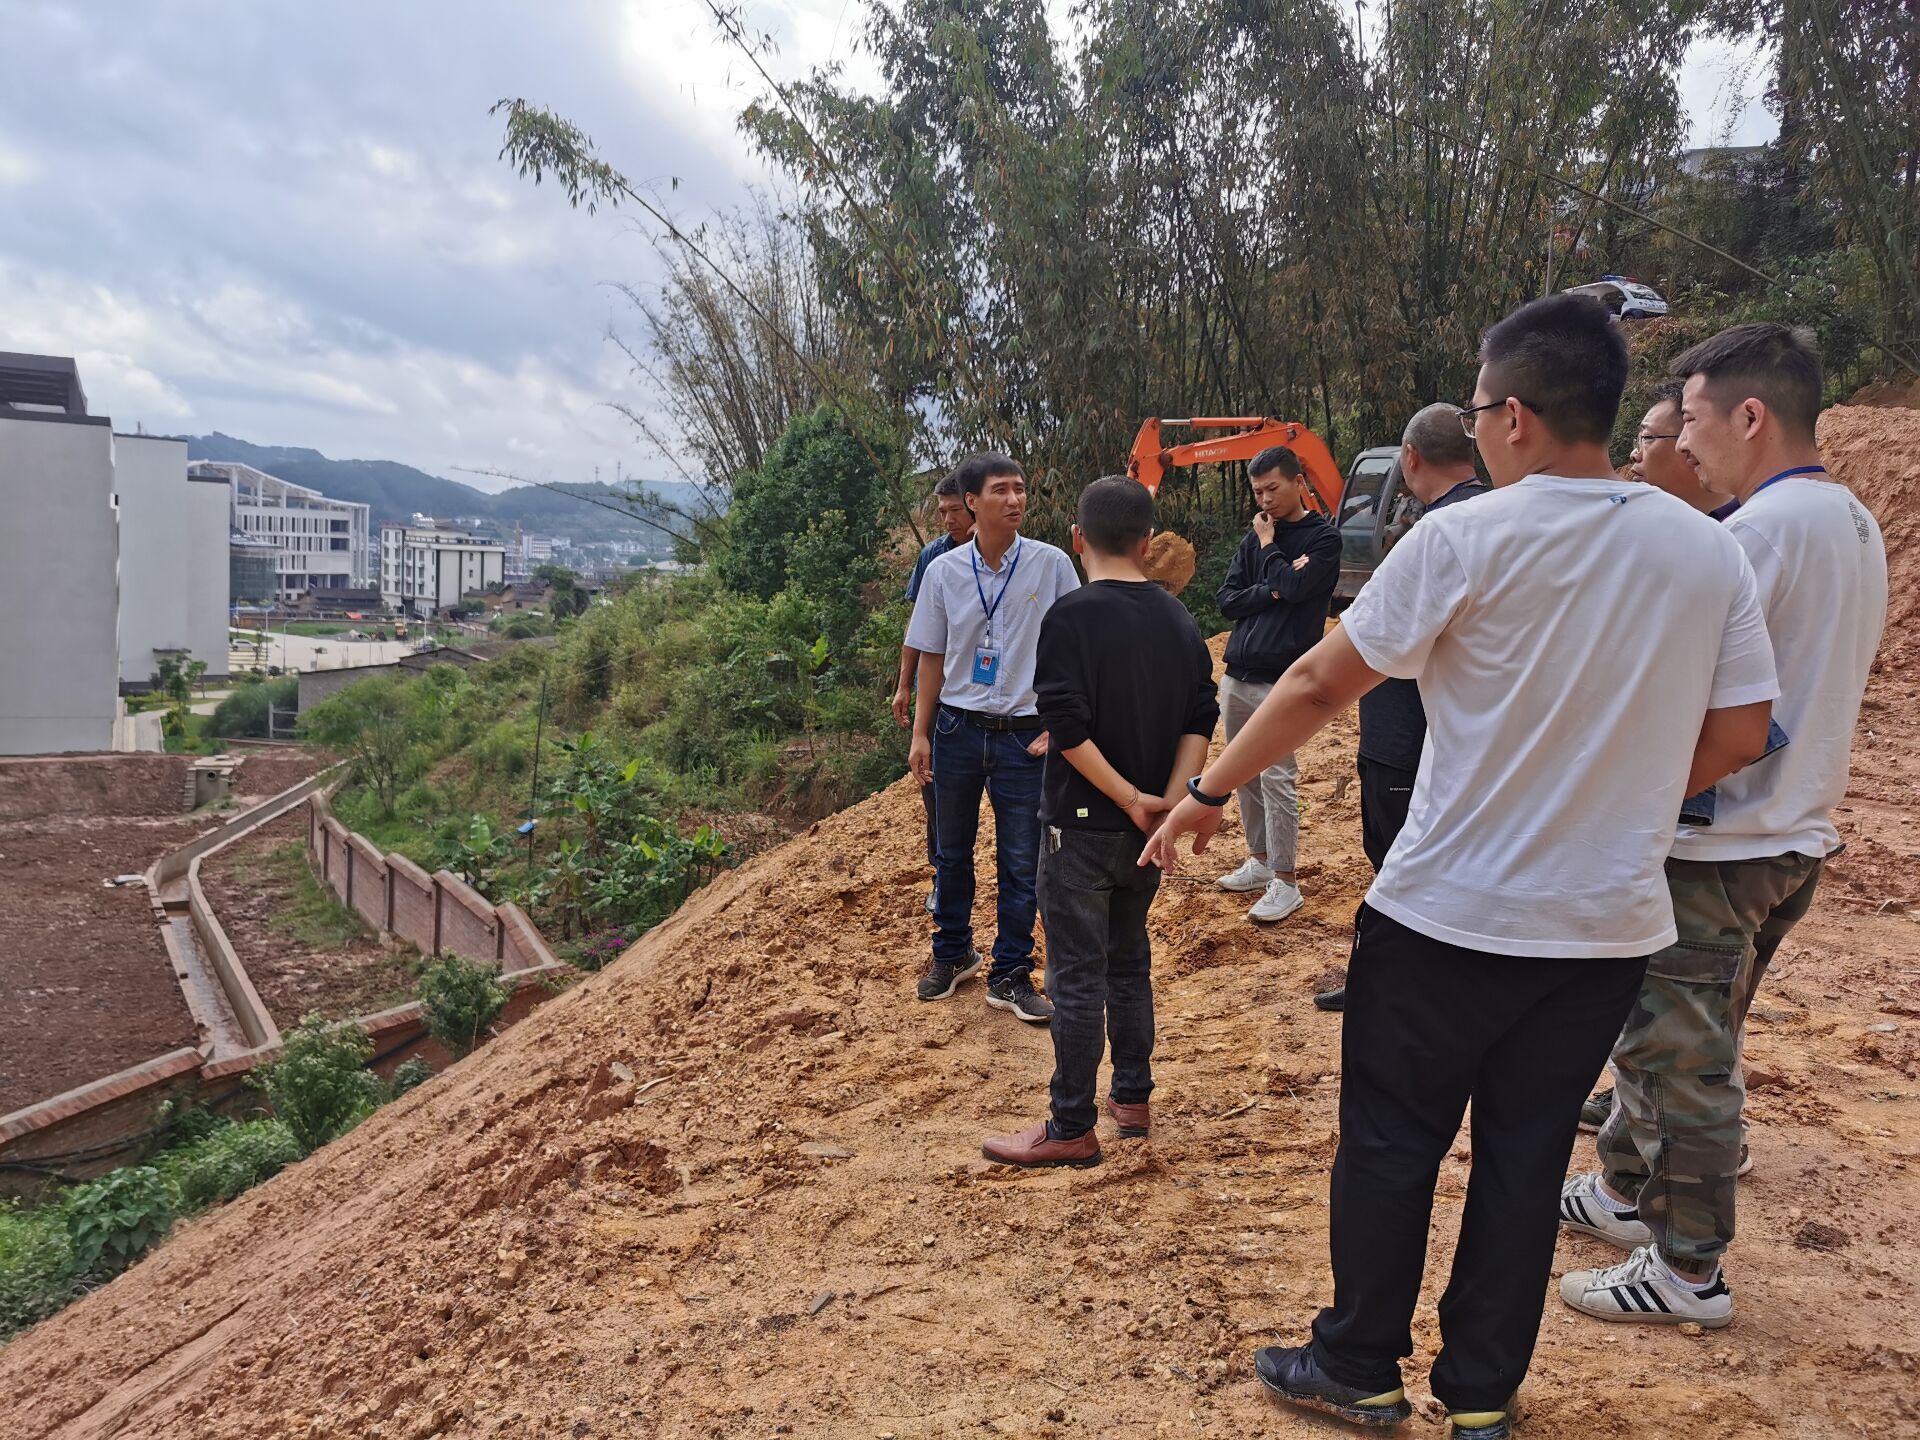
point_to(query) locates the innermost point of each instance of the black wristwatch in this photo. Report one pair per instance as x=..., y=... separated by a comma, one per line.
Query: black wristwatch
x=1193, y=789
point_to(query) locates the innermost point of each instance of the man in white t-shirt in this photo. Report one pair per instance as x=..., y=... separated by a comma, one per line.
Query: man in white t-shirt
x=1507, y=933
x=1670, y=1149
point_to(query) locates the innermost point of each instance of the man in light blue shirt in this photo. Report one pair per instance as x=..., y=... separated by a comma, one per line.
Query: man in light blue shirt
x=977, y=727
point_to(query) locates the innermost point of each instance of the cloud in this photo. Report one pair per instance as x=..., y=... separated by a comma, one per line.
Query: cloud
x=290, y=222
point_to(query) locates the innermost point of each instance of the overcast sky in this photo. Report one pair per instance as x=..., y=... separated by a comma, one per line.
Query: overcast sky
x=288, y=222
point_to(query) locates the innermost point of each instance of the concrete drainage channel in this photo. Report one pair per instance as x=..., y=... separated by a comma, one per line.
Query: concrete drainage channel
x=103, y=1123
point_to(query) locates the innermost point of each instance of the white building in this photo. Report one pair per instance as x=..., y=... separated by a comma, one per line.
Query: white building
x=324, y=544
x=424, y=570
x=174, y=563
x=59, y=562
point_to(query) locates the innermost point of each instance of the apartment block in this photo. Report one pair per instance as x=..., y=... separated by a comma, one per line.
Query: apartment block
x=174, y=566
x=322, y=543
x=59, y=562
x=423, y=570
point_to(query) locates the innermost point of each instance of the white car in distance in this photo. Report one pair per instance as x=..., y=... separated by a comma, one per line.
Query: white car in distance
x=1624, y=296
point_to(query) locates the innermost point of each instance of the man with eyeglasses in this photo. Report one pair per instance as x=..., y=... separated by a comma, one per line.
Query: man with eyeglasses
x=1505, y=938
x=1658, y=461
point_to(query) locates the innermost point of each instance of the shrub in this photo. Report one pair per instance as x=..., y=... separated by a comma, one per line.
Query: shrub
x=409, y=1075
x=318, y=1086
x=37, y=1273
x=231, y=1158
x=115, y=1220
x=599, y=950
x=461, y=1000
x=244, y=712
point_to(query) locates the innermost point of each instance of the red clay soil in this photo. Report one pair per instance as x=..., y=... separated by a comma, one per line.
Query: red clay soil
x=265, y=773
x=731, y=1186
x=88, y=985
x=250, y=886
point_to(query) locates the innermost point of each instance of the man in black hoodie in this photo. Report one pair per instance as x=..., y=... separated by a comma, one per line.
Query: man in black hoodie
x=1276, y=593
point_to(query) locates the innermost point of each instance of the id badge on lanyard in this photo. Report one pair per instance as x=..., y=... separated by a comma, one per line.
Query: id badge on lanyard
x=986, y=657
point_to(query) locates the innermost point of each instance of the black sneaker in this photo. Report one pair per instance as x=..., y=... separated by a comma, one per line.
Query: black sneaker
x=1594, y=1113
x=1016, y=993
x=1335, y=999
x=1293, y=1374
x=943, y=976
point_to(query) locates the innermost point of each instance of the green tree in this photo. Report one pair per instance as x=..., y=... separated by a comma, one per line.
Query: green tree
x=378, y=725
x=820, y=489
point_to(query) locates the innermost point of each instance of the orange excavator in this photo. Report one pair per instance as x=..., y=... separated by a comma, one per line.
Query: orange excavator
x=1151, y=459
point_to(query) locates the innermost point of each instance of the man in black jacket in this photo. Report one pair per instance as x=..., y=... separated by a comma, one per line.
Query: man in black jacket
x=1276, y=593
x=1436, y=466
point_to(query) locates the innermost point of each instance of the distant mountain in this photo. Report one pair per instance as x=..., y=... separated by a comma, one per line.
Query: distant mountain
x=397, y=492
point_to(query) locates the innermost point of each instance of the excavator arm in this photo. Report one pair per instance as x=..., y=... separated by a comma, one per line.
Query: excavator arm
x=1151, y=460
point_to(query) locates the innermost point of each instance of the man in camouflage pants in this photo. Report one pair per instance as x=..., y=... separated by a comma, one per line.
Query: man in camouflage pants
x=1670, y=1149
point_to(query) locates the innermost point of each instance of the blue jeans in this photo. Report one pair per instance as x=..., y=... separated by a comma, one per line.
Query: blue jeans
x=967, y=760
x=1095, y=898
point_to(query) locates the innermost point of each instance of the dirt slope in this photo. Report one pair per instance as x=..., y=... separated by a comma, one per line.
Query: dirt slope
x=780, y=1224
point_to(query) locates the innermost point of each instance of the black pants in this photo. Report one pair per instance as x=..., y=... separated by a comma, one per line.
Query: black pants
x=1385, y=792
x=1094, y=900
x=1428, y=1027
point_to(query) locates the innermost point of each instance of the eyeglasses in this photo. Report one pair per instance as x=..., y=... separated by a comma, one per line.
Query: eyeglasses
x=1468, y=412
x=1647, y=437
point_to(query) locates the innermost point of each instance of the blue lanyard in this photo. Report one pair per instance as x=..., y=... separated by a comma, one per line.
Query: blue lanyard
x=999, y=595
x=1786, y=474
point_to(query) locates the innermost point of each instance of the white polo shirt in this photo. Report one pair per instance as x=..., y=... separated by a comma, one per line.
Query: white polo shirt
x=1569, y=637
x=1821, y=567
x=950, y=619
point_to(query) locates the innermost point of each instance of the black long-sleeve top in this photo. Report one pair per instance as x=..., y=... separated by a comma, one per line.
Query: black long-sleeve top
x=1122, y=664
x=1279, y=613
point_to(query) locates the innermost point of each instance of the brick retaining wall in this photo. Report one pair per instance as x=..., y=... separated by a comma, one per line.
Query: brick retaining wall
x=438, y=913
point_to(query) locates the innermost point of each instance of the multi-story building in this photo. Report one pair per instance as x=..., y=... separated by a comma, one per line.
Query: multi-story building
x=423, y=570
x=59, y=562
x=174, y=566
x=323, y=544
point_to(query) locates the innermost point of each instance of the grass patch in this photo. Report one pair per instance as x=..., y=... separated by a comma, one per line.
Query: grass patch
x=313, y=914
x=195, y=738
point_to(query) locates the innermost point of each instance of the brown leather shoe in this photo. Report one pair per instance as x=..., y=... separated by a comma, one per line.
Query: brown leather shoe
x=1132, y=1119
x=1031, y=1149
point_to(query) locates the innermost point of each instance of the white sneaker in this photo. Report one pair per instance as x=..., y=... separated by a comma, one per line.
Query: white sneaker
x=1281, y=900
x=1582, y=1209
x=1252, y=875
x=1641, y=1288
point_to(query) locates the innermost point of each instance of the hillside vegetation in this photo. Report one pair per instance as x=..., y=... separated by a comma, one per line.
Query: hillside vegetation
x=662, y=734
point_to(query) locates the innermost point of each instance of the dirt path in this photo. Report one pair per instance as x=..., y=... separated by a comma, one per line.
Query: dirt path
x=781, y=1224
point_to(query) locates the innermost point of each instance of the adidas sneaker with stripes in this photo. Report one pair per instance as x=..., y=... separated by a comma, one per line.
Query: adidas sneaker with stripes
x=1641, y=1288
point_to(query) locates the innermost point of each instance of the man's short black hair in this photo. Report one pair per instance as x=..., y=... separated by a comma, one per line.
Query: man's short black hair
x=1667, y=392
x=972, y=473
x=1566, y=359
x=1276, y=457
x=1115, y=514
x=948, y=487
x=1777, y=365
